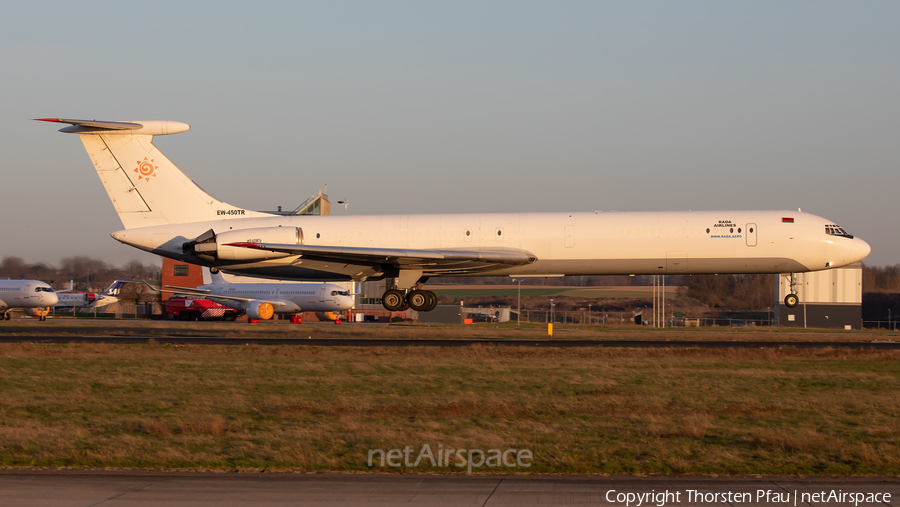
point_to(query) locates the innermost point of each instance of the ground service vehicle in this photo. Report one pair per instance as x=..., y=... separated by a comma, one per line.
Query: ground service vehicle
x=198, y=309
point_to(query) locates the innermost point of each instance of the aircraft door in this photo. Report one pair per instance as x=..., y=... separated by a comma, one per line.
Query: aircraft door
x=751, y=234
x=322, y=294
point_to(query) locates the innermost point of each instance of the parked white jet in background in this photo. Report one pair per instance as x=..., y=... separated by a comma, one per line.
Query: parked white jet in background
x=82, y=299
x=166, y=213
x=34, y=296
x=262, y=300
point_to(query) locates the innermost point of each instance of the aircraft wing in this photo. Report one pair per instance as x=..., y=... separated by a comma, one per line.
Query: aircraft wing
x=274, y=302
x=205, y=293
x=433, y=261
x=67, y=289
x=187, y=289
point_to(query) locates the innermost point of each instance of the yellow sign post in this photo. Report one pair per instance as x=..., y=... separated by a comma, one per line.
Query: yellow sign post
x=550, y=328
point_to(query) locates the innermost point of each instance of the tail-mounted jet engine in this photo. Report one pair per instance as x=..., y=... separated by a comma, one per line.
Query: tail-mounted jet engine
x=210, y=246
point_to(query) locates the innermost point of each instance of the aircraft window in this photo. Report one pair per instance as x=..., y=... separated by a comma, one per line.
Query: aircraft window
x=37, y=289
x=339, y=293
x=836, y=230
x=751, y=229
x=707, y=230
x=739, y=229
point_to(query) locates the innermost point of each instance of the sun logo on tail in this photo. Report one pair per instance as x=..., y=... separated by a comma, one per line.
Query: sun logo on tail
x=145, y=169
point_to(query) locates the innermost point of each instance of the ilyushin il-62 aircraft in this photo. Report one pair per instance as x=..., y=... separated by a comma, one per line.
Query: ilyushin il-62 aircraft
x=166, y=213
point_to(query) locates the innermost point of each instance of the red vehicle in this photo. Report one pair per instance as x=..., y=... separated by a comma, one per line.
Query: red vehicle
x=198, y=309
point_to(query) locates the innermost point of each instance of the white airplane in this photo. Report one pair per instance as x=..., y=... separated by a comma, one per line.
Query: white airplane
x=166, y=213
x=81, y=299
x=34, y=296
x=262, y=300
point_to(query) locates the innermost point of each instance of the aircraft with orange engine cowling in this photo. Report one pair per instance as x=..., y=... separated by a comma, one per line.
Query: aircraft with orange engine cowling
x=261, y=301
x=34, y=296
x=166, y=213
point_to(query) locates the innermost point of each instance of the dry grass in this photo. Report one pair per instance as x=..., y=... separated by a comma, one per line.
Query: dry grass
x=579, y=410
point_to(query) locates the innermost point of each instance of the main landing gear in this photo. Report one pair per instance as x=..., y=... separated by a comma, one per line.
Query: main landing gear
x=5, y=315
x=419, y=300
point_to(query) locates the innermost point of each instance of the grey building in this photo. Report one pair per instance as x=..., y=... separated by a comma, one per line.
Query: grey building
x=830, y=298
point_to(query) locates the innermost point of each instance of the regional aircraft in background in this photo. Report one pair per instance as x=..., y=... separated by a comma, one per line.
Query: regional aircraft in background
x=166, y=213
x=90, y=299
x=34, y=296
x=262, y=300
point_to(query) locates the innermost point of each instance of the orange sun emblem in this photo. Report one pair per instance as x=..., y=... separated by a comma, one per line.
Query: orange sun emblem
x=145, y=169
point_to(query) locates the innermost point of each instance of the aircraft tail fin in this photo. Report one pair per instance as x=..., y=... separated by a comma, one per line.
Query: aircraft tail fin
x=115, y=288
x=218, y=278
x=145, y=187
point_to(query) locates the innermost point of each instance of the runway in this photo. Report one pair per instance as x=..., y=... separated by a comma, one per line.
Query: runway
x=231, y=489
x=401, y=342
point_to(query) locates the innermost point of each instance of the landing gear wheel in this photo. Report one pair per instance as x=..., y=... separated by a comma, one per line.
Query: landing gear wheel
x=791, y=300
x=432, y=301
x=393, y=300
x=418, y=300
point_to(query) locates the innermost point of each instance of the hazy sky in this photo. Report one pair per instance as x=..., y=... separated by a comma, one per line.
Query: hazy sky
x=419, y=107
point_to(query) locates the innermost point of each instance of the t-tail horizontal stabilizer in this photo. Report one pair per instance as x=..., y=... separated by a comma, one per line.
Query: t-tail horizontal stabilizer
x=142, y=127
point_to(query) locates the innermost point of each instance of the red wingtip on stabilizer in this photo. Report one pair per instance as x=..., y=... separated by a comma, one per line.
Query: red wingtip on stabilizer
x=57, y=120
x=245, y=245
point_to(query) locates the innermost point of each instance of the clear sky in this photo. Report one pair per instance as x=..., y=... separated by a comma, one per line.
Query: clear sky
x=420, y=107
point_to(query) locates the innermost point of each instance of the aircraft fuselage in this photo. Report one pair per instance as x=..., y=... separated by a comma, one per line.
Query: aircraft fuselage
x=585, y=243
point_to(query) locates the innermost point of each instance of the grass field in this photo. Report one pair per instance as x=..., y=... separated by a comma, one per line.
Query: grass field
x=727, y=411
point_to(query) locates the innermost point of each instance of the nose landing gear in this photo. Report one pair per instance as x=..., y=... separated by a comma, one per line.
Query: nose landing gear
x=792, y=300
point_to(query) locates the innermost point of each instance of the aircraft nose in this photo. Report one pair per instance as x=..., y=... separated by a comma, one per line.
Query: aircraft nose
x=52, y=298
x=859, y=250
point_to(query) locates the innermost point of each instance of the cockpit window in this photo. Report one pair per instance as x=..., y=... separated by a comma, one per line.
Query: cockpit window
x=836, y=230
x=37, y=289
x=339, y=293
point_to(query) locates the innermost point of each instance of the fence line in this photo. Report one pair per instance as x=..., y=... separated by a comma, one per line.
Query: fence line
x=593, y=317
